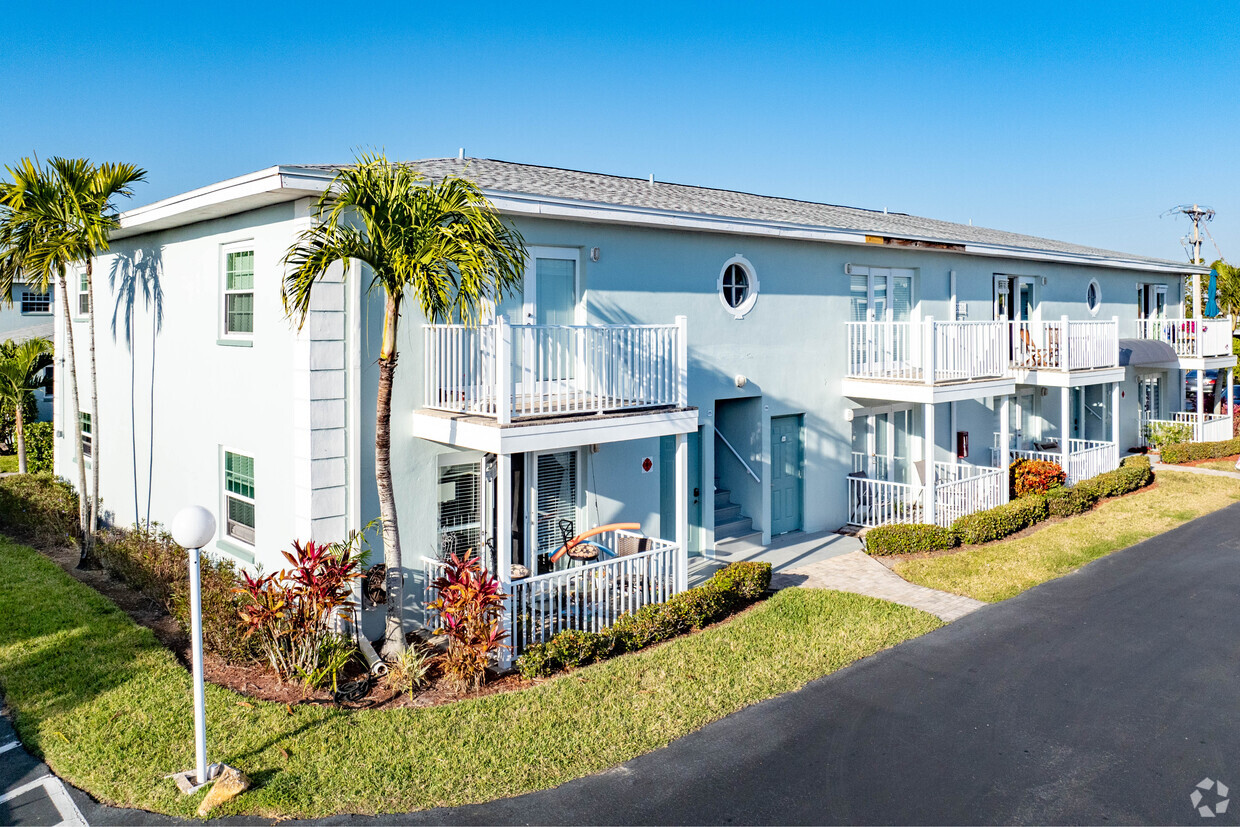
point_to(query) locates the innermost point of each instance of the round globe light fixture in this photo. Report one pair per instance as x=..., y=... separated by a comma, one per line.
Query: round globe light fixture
x=193, y=527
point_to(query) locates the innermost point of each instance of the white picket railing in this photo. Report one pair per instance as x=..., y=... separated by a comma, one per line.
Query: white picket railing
x=1206, y=428
x=962, y=489
x=879, y=502
x=594, y=596
x=507, y=371
x=1086, y=458
x=964, y=351
x=1188, y=337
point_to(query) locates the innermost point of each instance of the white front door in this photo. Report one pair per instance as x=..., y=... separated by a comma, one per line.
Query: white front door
x=542, y=313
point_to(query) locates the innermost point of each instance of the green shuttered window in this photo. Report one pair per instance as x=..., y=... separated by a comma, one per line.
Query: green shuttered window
x=239, y=496
x=239, y=292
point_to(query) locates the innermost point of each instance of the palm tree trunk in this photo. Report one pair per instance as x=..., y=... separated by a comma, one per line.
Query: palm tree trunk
x=21, y=439
x=83, y=557
x=394, y=632
x=94, y=413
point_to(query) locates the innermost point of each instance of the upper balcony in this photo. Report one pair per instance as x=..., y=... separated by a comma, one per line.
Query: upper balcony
x=1190, y=338
x=940, y=361
x=499, y=383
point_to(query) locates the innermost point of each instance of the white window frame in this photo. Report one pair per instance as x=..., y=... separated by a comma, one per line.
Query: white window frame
x=1097, y=288
x=225, y=495
x=82, y=295
x=890, y=274
x=751, y=298
x=241, y=246
x=27, y=290
x=531, y=498
x=88, y=437
x=484, y=520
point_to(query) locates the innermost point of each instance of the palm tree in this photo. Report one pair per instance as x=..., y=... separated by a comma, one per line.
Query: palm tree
x=444, y=244
x=16, y=386
x=56, y=217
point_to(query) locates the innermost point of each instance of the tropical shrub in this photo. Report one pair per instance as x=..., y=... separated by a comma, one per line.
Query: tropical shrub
x=470, y=607
x=728, y=590
x=1134, y=473
x=1191, y=451
x=908, y=538
x=39, y=447
x=1000, y=521
x=1162, y=434
x=411, y=670
x=149, y=561
x=290, y=613
x=38, y=508
x=1035, y=476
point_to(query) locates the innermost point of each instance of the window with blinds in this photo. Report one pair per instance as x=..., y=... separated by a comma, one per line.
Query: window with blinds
x=460, y=508
x=239, y=292
x=887, y=292
x=555, y=498
x=239, y=497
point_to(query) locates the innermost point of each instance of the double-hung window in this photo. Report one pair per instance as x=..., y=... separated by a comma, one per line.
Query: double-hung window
x=83, y=295
x=239, y=293
x=84, y=418
x=239, y=497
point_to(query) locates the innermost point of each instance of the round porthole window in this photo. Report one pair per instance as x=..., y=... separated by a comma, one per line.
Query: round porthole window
x=738, y=286
x=1093, y=297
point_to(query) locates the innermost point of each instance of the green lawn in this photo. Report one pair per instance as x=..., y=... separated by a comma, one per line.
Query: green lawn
x=110, y=710
x=8, y=462
x=1006, y=568
x=1219, y=465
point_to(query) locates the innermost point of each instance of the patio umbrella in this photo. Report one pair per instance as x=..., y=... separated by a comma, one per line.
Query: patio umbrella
x=1211, y=294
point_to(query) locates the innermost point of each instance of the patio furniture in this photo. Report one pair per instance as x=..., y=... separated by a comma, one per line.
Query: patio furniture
x=1035, y=357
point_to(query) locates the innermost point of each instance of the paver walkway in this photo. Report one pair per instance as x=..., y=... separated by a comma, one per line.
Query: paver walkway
x=857, y=572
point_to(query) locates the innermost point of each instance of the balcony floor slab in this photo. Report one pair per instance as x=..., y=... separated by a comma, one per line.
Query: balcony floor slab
x=919, y=392
x=1069, y=378
x=549, y=433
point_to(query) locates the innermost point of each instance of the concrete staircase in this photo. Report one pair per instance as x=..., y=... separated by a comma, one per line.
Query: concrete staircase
x=730, y=524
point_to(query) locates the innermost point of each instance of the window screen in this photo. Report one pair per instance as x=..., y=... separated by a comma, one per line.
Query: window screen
x=239, y=496
x=460, y=508
x=556, y=498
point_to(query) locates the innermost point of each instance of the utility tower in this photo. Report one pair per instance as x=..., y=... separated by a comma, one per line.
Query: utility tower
x=1198, y=215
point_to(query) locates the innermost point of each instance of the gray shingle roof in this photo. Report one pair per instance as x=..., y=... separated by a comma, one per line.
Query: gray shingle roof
x=527, y=179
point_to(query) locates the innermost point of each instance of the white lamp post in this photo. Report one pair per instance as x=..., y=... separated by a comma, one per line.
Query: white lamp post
x=193, y=528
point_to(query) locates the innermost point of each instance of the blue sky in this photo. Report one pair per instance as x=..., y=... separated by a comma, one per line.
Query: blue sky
x=1078, y=121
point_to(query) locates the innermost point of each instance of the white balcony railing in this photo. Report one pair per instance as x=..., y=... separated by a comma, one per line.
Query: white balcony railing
x=934, y=352
x=1189, y=337
x=511, y=371
x=959, y=489
x=1207, y=427
x=1086, y=458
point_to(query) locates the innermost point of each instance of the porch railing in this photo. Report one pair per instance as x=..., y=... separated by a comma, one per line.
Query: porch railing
x=932, y=352
x=510, y=371
x=962, y=489
x=1189, y=337
x=1086, y=458
x=592, y=597
x=879, y=502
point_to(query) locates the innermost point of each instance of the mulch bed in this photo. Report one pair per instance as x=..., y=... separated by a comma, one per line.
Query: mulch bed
x=256, y=680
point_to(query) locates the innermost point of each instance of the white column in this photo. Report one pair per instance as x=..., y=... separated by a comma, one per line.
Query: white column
x=1064, y=362
x=503, y=541
x=928, y=458
x=503, y=372
x=1115, y=386
x=1231, y=378
x=682, y=361
x=1197, y=303
x=1065, y=425
x=1005, y=427
x=682, y=512
x=1201, y=412
x=951, y=407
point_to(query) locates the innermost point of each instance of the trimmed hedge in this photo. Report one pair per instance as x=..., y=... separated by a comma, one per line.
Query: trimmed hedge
x=1000, y=521
x=730, y=589
x=38, y=508
x=1065, y=502
x=908, y=538
x=39, y=447
x=1190, y=451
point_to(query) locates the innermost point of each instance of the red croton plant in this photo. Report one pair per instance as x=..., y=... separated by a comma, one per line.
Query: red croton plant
x=290, y=612
x=470, y=607
x=1035, y=476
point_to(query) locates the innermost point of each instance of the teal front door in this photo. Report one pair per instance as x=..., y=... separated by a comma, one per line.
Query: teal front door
x=787, y=457
x=667, y=489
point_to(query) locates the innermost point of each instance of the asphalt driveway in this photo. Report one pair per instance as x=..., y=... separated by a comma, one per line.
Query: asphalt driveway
x=1104, y=696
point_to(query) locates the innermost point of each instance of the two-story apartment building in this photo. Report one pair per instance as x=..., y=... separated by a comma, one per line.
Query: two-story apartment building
x=704, y=363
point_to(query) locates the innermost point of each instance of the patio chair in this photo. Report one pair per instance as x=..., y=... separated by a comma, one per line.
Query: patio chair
x=1034, y=356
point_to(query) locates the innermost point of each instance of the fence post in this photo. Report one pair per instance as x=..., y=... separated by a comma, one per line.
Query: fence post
x=1065, y=362
x=927, y=349
x=1115, y=346
x=503, y=371
x=682, y=361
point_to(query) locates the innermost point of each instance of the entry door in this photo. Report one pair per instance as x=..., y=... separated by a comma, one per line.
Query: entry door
x=553, y=500
x=667, y=490
x=1152, y=301
x=549, y=299
x=786, y=474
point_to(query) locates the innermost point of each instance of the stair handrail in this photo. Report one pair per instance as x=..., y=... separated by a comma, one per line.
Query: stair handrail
x=739, y=458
